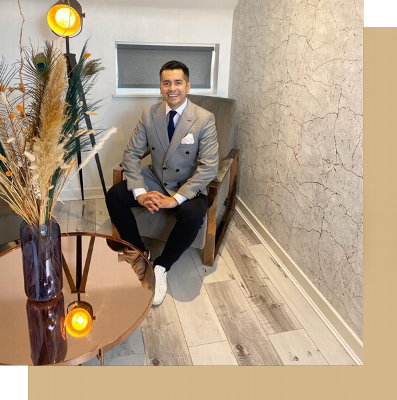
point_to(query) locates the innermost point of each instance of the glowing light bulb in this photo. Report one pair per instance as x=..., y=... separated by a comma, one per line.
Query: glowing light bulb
x=79, y=321
x=65, y=18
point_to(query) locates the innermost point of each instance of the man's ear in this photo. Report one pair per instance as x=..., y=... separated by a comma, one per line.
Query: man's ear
x=188, y=87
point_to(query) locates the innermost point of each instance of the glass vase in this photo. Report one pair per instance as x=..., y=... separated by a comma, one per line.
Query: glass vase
x=47, y=332
x=42, y=260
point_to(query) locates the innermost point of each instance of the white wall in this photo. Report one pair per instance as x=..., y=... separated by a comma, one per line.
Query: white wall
x=130, y=21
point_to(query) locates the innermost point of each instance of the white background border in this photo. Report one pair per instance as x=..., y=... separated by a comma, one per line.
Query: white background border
x=14, y=383
x=380, y=13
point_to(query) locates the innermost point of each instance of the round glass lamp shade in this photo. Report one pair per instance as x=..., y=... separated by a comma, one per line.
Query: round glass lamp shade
x=79, y=319
x=63, y=20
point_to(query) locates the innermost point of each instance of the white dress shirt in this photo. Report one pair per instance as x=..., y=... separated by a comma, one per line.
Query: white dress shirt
x=178, y=197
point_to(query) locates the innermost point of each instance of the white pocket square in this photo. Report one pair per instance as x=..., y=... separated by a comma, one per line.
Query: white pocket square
x=188, y=139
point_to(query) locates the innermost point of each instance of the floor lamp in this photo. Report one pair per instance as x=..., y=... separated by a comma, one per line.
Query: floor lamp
x=65, y=18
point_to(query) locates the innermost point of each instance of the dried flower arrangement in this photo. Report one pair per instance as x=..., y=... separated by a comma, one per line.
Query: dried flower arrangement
x=40, y=116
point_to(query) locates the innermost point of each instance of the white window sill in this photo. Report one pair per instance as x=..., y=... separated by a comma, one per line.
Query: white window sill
x=137, y=95
x=155, y=96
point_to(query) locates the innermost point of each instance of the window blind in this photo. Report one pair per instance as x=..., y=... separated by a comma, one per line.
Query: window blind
x=139, y=65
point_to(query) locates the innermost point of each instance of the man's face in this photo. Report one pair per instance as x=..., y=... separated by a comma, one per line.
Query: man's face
x=174, y=87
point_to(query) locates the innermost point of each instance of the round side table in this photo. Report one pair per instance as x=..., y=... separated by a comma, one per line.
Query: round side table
x=34, y=333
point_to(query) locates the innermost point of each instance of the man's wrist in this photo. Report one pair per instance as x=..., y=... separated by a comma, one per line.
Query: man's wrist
x=138, y=191
x=179, y=198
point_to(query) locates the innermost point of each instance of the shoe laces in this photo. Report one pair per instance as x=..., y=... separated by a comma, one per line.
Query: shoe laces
x=161, y=276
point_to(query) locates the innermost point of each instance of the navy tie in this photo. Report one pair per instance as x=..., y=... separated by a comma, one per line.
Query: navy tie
x=171, y=126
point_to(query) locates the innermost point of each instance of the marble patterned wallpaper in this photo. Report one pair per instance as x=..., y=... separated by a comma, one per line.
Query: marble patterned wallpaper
x=297, y=75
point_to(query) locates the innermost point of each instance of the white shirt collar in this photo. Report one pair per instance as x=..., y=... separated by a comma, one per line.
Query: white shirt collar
x=179, y=110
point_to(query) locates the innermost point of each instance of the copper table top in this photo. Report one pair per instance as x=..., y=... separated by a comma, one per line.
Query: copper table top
x=120, y=302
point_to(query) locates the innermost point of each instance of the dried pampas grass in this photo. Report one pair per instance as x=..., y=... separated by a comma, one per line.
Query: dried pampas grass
x=48, y=155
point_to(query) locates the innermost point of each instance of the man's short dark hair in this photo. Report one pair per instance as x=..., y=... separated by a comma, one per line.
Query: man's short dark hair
x=176, y=65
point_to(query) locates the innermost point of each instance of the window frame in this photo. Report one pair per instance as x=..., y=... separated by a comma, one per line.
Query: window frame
x=155, y=92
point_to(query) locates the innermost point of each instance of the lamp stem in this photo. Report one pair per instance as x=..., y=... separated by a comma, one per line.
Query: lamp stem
x=67, y=45
x=71, y=64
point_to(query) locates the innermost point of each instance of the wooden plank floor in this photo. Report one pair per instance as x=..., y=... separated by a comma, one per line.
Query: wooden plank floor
x=242, y=311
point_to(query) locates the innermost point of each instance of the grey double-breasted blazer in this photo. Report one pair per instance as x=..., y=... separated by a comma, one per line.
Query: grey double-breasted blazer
x=186, y=165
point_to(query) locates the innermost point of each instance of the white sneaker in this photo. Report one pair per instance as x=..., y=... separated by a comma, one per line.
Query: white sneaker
x=161, y=285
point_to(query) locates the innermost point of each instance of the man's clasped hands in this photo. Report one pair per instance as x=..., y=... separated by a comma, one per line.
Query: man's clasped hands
x=155, y=200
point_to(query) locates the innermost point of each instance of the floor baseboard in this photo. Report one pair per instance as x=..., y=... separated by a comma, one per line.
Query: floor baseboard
x=349, y=340
x=89, y=193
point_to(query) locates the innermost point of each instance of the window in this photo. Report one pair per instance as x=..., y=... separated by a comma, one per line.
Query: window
x=138, y=67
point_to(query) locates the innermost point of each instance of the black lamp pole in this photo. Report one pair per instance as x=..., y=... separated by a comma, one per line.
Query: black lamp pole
x=71, y=64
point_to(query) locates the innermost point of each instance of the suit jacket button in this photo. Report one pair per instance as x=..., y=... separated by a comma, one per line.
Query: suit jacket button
x=177, y=170
x=187, y=152
x=152, y=148
x=164, y=168
x=165, y=184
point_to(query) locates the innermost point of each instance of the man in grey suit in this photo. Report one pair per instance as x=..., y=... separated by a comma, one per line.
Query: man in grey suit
x=181, y=138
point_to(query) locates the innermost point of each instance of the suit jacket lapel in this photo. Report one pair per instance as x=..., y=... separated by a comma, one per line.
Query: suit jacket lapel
x=160, y=124
x=185, y=122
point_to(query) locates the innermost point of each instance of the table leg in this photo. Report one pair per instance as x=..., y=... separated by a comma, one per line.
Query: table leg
x=79, y=261
x=101, y=357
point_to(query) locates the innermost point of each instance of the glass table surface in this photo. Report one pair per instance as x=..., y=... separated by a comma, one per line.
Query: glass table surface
x=34, y=333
